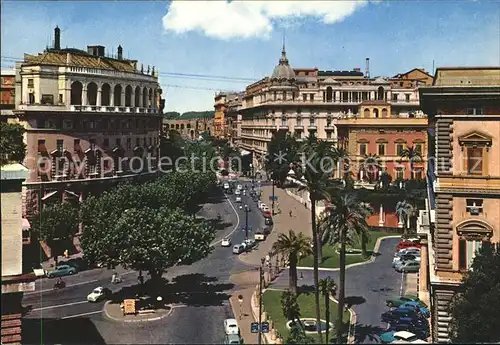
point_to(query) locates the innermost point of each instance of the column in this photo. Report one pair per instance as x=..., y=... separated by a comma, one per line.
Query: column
x=112, y=96
x=132, y=100
x=423, y=266
x=84, y=95
x=139, y=105
x=381, y=215
x=99, y=96
x=122, y=98
x=337, y=96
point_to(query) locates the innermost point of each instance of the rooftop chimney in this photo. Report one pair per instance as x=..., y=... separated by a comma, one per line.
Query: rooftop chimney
x=367, y=73
x=57, y=38
x=120, y=53
x=96, y=50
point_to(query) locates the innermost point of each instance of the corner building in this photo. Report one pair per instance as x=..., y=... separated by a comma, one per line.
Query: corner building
x=84, y=113
x=463, y=180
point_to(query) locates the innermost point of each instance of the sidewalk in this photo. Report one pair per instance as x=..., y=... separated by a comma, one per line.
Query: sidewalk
x=243, y=313
x=299, y=222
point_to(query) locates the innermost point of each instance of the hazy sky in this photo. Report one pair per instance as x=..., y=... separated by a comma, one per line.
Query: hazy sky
x=241, y=40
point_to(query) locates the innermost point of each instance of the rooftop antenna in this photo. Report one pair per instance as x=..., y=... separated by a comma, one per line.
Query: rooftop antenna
x=432, y=66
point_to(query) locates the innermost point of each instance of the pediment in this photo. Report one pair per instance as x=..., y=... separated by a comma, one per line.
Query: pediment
x=380, y=80
x=475, y=229
x=331, y=81
x=475, y=138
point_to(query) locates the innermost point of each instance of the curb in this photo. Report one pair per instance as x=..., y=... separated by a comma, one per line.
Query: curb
x=350, y=337
x=134, y=321
x=372, y=257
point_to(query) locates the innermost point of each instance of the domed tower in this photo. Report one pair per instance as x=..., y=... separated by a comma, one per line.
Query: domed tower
x=283, y=86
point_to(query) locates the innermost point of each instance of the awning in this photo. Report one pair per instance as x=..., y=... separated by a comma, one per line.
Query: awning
x=46, y=196
x=26, y=224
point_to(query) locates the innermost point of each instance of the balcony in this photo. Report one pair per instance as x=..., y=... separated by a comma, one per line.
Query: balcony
x=139, y=76
x=312, y=127
x=298, y=127
x=87, y=108
x=329, y=128
x=283, y=127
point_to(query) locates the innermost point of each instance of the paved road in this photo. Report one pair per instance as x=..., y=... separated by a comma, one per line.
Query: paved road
x=367, y=288
x=197, y=317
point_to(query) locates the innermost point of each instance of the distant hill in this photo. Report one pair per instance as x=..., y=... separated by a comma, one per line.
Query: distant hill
x=172, y=115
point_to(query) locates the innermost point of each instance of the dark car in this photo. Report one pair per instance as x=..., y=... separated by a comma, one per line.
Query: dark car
x=268, y=220
x=267, y=230
x=401, y=315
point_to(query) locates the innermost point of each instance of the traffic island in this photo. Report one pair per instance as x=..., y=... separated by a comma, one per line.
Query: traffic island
x=115, y=312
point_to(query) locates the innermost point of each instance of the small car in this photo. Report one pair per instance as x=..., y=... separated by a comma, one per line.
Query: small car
x=267, y=214
x=265, y=208
x=232, y=339
x=259, y=236
x=249, y=244
x=239, y=187
x=238, y=199
x=391, y=336
x=421, y=331
x=99, y=293
x=397, y=301
x=408, y=251
x=226, y=242
x=415, y=306
x=61, y=270
x=403, y=258
x=238, y=249
x=407, y=244
x=401, y=316
x=231, y=327
x=237, y=192
x=268, y=220
x=407, y=266
x=226, y=186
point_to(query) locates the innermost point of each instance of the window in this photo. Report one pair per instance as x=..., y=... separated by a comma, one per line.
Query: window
x=474, y=206
x=467, y=251
x=90, y=124
x=283, y=122
x=407, y=97
x=150, y=141
x=312, y=121
x=299, y=121
x=92, y=144
x=31, y=98
x=144, y=141
x=76, y=145
x=400, y=174
x=118, y=142
x=329, y=122
x=67, y=124
x=400, y=147
x=381, y=149
x=47, y=99
x=311, y=97
x=418, y=173
x=129, y=144
x=304, y=97
x=59, y=145
x=394, y=97
x=31, y=84
x=474, y=111
x=105, y=142
x=418, y=148
x=475, y=160
x=137, y=141
x=328, y=135
x=363, y=149
x=61, y=98
x=41, y=145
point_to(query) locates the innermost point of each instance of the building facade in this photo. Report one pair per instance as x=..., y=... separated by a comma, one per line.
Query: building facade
x=8, y=89
x=220, y=115
x=15, y=279
x=90, y=120
x=463, y=105
x=190, y=129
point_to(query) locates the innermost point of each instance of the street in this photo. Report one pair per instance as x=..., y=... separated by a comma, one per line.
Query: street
x=367, y=288
x=199, y=299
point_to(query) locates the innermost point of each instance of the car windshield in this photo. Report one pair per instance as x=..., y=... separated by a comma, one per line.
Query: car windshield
x=97, y=291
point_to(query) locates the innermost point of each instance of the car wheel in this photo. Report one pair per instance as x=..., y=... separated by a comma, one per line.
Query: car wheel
x=71, y=272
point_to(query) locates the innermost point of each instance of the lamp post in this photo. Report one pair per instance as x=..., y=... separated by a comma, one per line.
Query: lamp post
x=247, y=209
x=261, y=279
x=269, y=264
x=273, y=197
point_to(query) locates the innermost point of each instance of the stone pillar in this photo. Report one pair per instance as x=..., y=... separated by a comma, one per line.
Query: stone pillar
x=99, y=96
x=424, y=266
x=337, y=96
x=132, y=100
x=84, y=95
x=122, y=98
x=112, y=97
x=381, y=215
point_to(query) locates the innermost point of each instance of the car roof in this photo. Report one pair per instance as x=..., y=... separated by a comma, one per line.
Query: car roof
x=231, y=321
x=231, y=337
x=404, y=335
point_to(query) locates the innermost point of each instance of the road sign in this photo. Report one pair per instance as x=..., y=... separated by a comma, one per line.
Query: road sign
x=129, y=306
x=265, y=327
x=254, y=327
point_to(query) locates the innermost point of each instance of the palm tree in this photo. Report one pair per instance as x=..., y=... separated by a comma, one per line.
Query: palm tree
x=317, y=170
x=413, y=156
x=328, y=288
x=290, y=306
x=404, y=211
x=346, y=216
x=371, y=166
x=292, y=246
x=362, y=229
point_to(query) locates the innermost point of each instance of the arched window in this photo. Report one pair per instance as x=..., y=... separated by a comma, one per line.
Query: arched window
x=92, y=93
x=117, y=95
x=380, y=93
x=366, y=113
x=375, y=113
x=105, y=95
x=76, y=93
x=384, y=112
x=137, y=97
x=329, y=94
x=128, y=96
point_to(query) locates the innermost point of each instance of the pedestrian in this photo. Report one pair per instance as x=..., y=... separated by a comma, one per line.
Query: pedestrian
x=290, y=213
x=113, y=278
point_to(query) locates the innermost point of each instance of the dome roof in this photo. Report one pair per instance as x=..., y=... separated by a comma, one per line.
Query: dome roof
x=283, y=69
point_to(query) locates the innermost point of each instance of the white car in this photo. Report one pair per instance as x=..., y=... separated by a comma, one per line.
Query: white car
x=231, y=326
x=99, y=293
x=238, y=199
x=237, y=192
x=262, y=206
x=226, y=185
x=266, y=209
x=226, y=242
x=240, y=187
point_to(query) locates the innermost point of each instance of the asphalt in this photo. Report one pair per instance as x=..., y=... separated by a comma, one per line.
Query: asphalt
x=64, y=316
x=367, y=288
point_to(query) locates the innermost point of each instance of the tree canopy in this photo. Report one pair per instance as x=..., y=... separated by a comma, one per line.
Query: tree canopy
x=475, y=317
x=282, y=151
x=12, y=147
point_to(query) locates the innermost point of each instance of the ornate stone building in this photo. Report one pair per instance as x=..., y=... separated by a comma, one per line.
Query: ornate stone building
x=191, y=128
x=87, y=116
x=463, y=105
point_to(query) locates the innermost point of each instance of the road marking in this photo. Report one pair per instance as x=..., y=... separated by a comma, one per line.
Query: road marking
x=83, y=314
x=59, y=306
x=235, y=228
x=67, y=286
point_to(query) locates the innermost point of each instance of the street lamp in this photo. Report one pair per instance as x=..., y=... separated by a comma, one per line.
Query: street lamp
x=247, y=209
x=269, y=263
x=273, y=197
x=261, y=279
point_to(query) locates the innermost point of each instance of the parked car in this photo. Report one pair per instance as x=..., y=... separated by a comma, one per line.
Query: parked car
x=98, y=294
x=407, y=266
x=262, y=205
x=391, y=336
x=238, y=248
x=421, y=332
x=226, y=186
x=406, y=257
x=402, y=316
x=408, y=251
x=407, y=244
x=415, y=306
x=239, y=187
x=265, y=208
x=226, y=242
x=249, y=244
x=268, y=220
x=259, y=236
x=231, y=327
x=267, y=214
x=238, y=199
x=61, y=270
x=397, y=301
x=233, y=339
x=267, y=230
x=237, y=192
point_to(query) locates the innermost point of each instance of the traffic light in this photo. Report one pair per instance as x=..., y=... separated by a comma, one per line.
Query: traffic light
x=265, y=327
x=254, y=327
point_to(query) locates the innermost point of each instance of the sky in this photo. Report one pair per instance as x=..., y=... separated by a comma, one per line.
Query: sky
x=203, y=47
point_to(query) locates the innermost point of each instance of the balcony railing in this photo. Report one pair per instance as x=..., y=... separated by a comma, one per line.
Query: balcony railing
x=114, y=74
x=88, y=108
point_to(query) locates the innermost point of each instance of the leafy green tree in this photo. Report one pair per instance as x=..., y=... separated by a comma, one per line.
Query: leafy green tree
x=328, y=288
x=171, y=115
x=346, y=216
x=475, y=316
x=283, y=151
x=292, y=246
x=148, y=240
x=171, y=146
x=290, y=306
x=56, y=224
x=12, y=147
